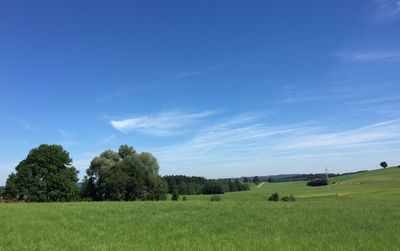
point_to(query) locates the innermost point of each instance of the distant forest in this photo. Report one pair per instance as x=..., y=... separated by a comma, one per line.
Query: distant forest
x=297, y=177
x=187, y=185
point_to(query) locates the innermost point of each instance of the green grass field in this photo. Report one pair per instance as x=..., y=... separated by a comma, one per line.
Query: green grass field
x=358, y=212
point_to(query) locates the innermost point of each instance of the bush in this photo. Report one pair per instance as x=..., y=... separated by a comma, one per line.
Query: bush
x=318, y=182
x=274, y=197
x=215, y=198
x=289, y=198
x=175, y=195
x=184, y=198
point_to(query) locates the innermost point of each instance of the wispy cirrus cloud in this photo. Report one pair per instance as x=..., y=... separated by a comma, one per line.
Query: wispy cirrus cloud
x=106, y=140
x=24, y=124
x=225, y=143
x=370, y=56
x=241, y=142
x=20, y=122
x=370, y=134
x=161, y=80
x=67, y=138
x=376, y=100
x=384, y=10
x=374, y=56
x=244, y=141
x=162, y=124
x=195, y=73
x=62, y=133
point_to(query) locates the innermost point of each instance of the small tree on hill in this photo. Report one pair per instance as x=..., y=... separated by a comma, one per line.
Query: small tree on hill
x=256, y=180
x=384, y=164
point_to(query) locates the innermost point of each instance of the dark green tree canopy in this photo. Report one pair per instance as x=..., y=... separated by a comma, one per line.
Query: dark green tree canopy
x=124, y=175
x=274, y=197
x=384, y=164
x=213, y=187
x=2, y=192
x=198, y=185
x=185, y=184
x=175, y=195
x=125, y=151
x=46, y=174
x=256, y=180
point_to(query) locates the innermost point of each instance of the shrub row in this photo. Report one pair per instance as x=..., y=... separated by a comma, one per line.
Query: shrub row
x=275, y=197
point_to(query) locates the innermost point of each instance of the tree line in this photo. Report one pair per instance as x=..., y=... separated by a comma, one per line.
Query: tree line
x=187, y=185
x=47, y=174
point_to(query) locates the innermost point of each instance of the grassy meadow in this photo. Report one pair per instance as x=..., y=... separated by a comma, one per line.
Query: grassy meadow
x=359, y=212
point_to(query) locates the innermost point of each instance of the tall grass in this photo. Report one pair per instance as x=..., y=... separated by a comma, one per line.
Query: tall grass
x=359, y=212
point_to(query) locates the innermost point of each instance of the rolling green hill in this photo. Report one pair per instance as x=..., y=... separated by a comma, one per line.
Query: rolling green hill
x=358, y=212
x=383, y=184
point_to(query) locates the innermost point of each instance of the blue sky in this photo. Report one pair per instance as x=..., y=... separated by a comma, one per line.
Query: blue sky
x=211, y=88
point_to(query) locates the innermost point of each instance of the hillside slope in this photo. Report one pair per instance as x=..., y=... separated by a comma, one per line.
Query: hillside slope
x=382, y=184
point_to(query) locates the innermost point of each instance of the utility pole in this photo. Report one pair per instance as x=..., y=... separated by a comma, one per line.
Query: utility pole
x=326, y=173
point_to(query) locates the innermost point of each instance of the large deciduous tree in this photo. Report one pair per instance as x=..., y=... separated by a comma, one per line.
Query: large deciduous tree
x=124, y=175
x=46, y=174
x=384, y=164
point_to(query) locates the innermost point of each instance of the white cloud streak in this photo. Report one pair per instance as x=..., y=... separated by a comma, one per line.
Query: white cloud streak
x=163, y=124
x=376, y=100
x=371, y=134
x=18, y=121
x=374, y=56
x=366, y=56
x=241, y=143
x=385, y=10
x=106, y=140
